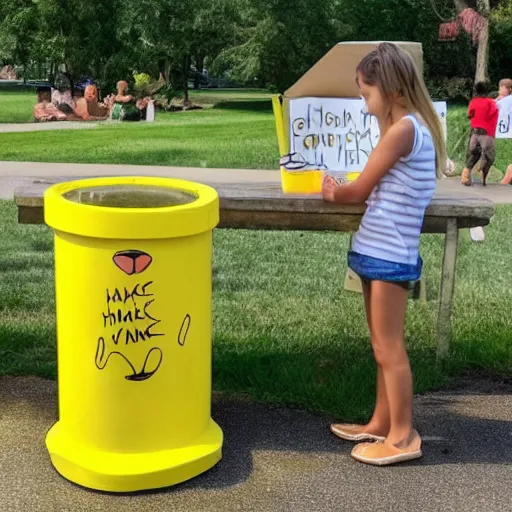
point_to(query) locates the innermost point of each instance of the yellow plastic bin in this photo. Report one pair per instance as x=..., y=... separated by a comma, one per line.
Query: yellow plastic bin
x=133, y=288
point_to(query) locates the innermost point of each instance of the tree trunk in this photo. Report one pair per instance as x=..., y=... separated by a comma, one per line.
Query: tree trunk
x=482, y=56
x=69, y=75
x=52, y=73
x=186, y=69
x=167, y=72
x=199, y=71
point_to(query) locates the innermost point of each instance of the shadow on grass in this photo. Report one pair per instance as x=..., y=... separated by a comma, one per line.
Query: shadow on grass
x=256, y=105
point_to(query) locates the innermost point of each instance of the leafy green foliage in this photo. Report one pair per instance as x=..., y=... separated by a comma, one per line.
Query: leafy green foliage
x=267, y=43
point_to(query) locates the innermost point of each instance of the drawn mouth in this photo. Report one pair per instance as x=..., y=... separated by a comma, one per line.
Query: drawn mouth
x=132, y=261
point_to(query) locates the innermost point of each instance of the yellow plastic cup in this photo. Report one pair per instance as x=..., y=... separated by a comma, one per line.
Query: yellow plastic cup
x=133, y=288
x=307, y=182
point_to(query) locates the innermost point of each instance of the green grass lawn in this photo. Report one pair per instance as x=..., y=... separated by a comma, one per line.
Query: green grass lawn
x=16, y=107
x=238, y=133
x=235, y=130
x=285, y=330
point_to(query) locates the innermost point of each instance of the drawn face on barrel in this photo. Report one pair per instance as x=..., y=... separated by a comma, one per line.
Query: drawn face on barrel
x=128, y=319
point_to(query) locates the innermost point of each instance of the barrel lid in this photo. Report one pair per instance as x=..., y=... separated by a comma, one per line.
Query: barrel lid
x=131, y=207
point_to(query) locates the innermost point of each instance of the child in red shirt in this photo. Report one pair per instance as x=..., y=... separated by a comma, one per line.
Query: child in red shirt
x=483, y=115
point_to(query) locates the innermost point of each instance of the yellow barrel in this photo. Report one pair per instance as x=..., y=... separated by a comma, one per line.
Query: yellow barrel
x=133, y=288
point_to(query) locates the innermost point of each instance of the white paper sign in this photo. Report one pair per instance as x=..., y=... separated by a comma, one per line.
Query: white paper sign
x=504, y=126
x=333, y=134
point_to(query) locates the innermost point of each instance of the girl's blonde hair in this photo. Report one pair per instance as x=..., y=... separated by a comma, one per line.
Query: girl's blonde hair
x=393, y=71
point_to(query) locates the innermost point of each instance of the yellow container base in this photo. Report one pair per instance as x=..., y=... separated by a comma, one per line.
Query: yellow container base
x=307, y=182
x=124, y=472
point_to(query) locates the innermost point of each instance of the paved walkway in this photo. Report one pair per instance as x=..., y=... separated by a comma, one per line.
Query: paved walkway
x=281, y=460
x=15, y=174
x=36, y=127
x=274, y=459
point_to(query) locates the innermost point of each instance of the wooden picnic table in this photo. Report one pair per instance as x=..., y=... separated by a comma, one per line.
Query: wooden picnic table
x=264, y=206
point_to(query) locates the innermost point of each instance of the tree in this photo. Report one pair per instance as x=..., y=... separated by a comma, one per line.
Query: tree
x=213, y=30
x=482, y=56
x=161, y=29
x=278, y=40
x=484, y=10
x=78, y=36
x=17, y=31
x=500, y=36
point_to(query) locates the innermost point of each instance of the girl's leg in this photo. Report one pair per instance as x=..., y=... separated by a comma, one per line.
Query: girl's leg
x=507, y=179
x=488, y=156
x=474, y=154
x=380, y=421
x=388, y=306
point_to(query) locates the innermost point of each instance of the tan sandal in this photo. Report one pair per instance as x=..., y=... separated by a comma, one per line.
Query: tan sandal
x=385, y=454
x=353, y=433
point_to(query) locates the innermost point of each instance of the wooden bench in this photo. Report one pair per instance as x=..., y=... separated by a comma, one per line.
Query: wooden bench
x=264, y=206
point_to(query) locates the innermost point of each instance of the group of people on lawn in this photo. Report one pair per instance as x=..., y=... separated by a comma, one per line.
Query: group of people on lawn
x=59, y=104
x=483, y=113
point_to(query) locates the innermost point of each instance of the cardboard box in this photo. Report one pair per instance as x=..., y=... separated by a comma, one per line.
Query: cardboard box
x=334, y=75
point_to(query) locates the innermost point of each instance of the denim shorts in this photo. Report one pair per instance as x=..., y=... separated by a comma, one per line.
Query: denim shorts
x=375, y=269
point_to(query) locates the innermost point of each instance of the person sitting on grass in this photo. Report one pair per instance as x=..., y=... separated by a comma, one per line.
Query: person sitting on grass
x=45, y=110
x=89, y=108
x=125, y=108
x=483, y=116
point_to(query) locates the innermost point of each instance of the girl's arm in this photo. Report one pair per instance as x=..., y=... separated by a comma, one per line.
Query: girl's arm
x=397, y=143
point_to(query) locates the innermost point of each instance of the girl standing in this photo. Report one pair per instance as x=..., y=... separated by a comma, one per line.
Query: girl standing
x=397, y=183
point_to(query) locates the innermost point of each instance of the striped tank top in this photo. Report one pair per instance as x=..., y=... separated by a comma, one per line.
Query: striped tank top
x=391, y=226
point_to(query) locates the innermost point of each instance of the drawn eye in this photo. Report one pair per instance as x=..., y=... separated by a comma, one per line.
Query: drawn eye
x=329, y=119
x=298, y=126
